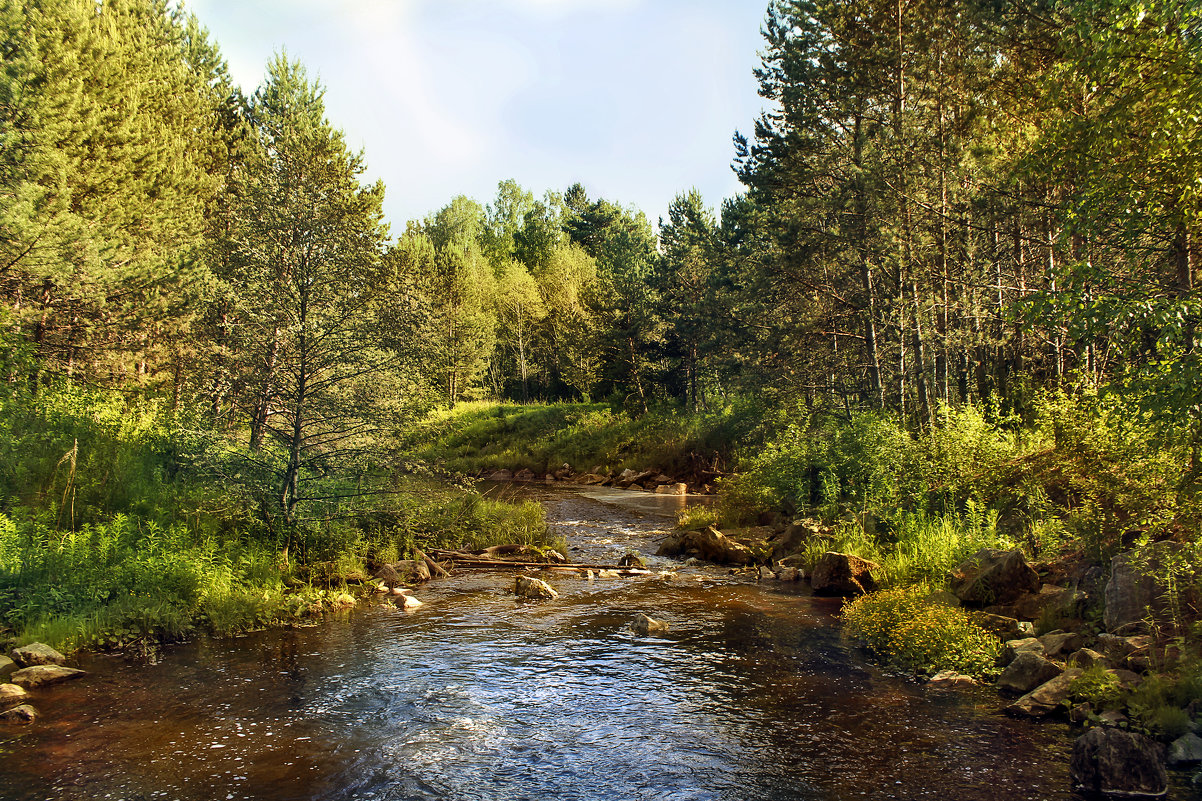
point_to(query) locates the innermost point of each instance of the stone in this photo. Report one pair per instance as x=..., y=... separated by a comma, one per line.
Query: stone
x=632, y=559
x=534, y=589
x=1012, y=648
x=788, y=574
x=842, y=574
x=1185, y=750
x=942, y=598
x=1134, y=592
x=11, y=694
x=1113, y=717
x=1061, y=602
x=19, y=714
x=388, y=576
x=37, y=653
x=950, y=679
x=644, y=625
x=1080, y=713
x=592, y=479
x=1046, y=698
x=43, y=675
x=993, y=576
x=1113, y=762
x=1028, y=671
x=608, y=574
x=672, y=489
x=709, y=544
x=500, y=475
x=1006, y=628
x=766, y=573
x=7, y=666
x=408, y=602
x=1056, y=643
x=1087, y=658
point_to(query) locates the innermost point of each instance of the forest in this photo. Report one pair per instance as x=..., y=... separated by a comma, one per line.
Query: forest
x=960, y=278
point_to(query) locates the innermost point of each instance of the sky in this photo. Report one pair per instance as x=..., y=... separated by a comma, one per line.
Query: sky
x=635, y=99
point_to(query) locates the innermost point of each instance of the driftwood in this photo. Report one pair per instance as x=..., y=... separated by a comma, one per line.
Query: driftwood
x=469, y=560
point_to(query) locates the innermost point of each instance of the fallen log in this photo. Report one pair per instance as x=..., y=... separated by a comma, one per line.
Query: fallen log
x=466, y=560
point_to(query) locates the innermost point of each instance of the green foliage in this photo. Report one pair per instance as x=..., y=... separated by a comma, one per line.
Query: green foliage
x=1099, y=687
x=912, y=634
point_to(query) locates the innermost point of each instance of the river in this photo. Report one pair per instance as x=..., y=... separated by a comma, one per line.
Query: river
x=752, y=694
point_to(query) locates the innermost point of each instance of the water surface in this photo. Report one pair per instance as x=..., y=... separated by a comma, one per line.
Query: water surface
x=751, y=695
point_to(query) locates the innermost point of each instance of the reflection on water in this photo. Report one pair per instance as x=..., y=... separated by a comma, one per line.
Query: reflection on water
x=475, y=696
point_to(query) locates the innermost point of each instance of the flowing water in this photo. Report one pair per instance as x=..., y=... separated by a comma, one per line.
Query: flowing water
x=752, y=694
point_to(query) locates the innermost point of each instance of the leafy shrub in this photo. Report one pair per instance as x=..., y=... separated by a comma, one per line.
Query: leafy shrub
x=906, y=631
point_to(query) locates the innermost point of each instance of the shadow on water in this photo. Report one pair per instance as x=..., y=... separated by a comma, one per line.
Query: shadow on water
x=751, y=694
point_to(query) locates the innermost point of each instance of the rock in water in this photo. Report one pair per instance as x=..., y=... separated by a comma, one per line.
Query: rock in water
x=11, y=694
x=537, y=589
x=645, y=625
x=992, y=576
x=950, y=680
x=842, y=574
x=42, y=675
x=19, y=714
x=37, y=653
x=1113, y=762
x=1046, y=698
x=408, y=602
x=1185, y=750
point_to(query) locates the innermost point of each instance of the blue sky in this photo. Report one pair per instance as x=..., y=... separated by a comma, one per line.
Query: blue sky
x=636, y=99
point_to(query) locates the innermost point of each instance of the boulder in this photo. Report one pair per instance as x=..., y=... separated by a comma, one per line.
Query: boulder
x=1046, y=698
x=1056, y=643
x=672, y=489
x=1060, y=602
x=43, y=675
x=388, y=576
x=1028, y=671
x=1087, y=658
x=943, y=598
x=632, y=559
x=11, y=695
x=37, y=653
x=591, y=479
x=1185, y=750
x=19, y=714
x=500, y=475
x=950, y=680
x=842, y=574
x=1112, y=762
x=644, y=625
x=765, y=573
x=709, y=544
x=1134, y=592
x=788, y=574
x=1006, y=628
x=993, y=576
x=433, y=569
x=532, y=588
x=7, y=666
x=608, y=574
x=1012, y=648
x=408, y=602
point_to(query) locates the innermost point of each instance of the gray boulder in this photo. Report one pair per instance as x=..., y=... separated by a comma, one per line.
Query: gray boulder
x=1112, y=762
x=1061, y=602
x=1046, y=698
x=1012, y=648
x=1185, y=750
x=842, y=574
x=709, y=544
x=1134, y=592
x=11, y=695
x=992, y=576
x=7, y=666
x=644, y=625
x=1056, y=643
x=1028, y=671
x=43, y=675
x=37, y=653
x=534, y=589
x=19, y=714
x=1087, y=658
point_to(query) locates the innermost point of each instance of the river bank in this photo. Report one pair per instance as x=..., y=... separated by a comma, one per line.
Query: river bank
x=752, y=693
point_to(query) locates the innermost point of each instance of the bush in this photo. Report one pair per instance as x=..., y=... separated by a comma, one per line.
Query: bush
x=900, y=627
